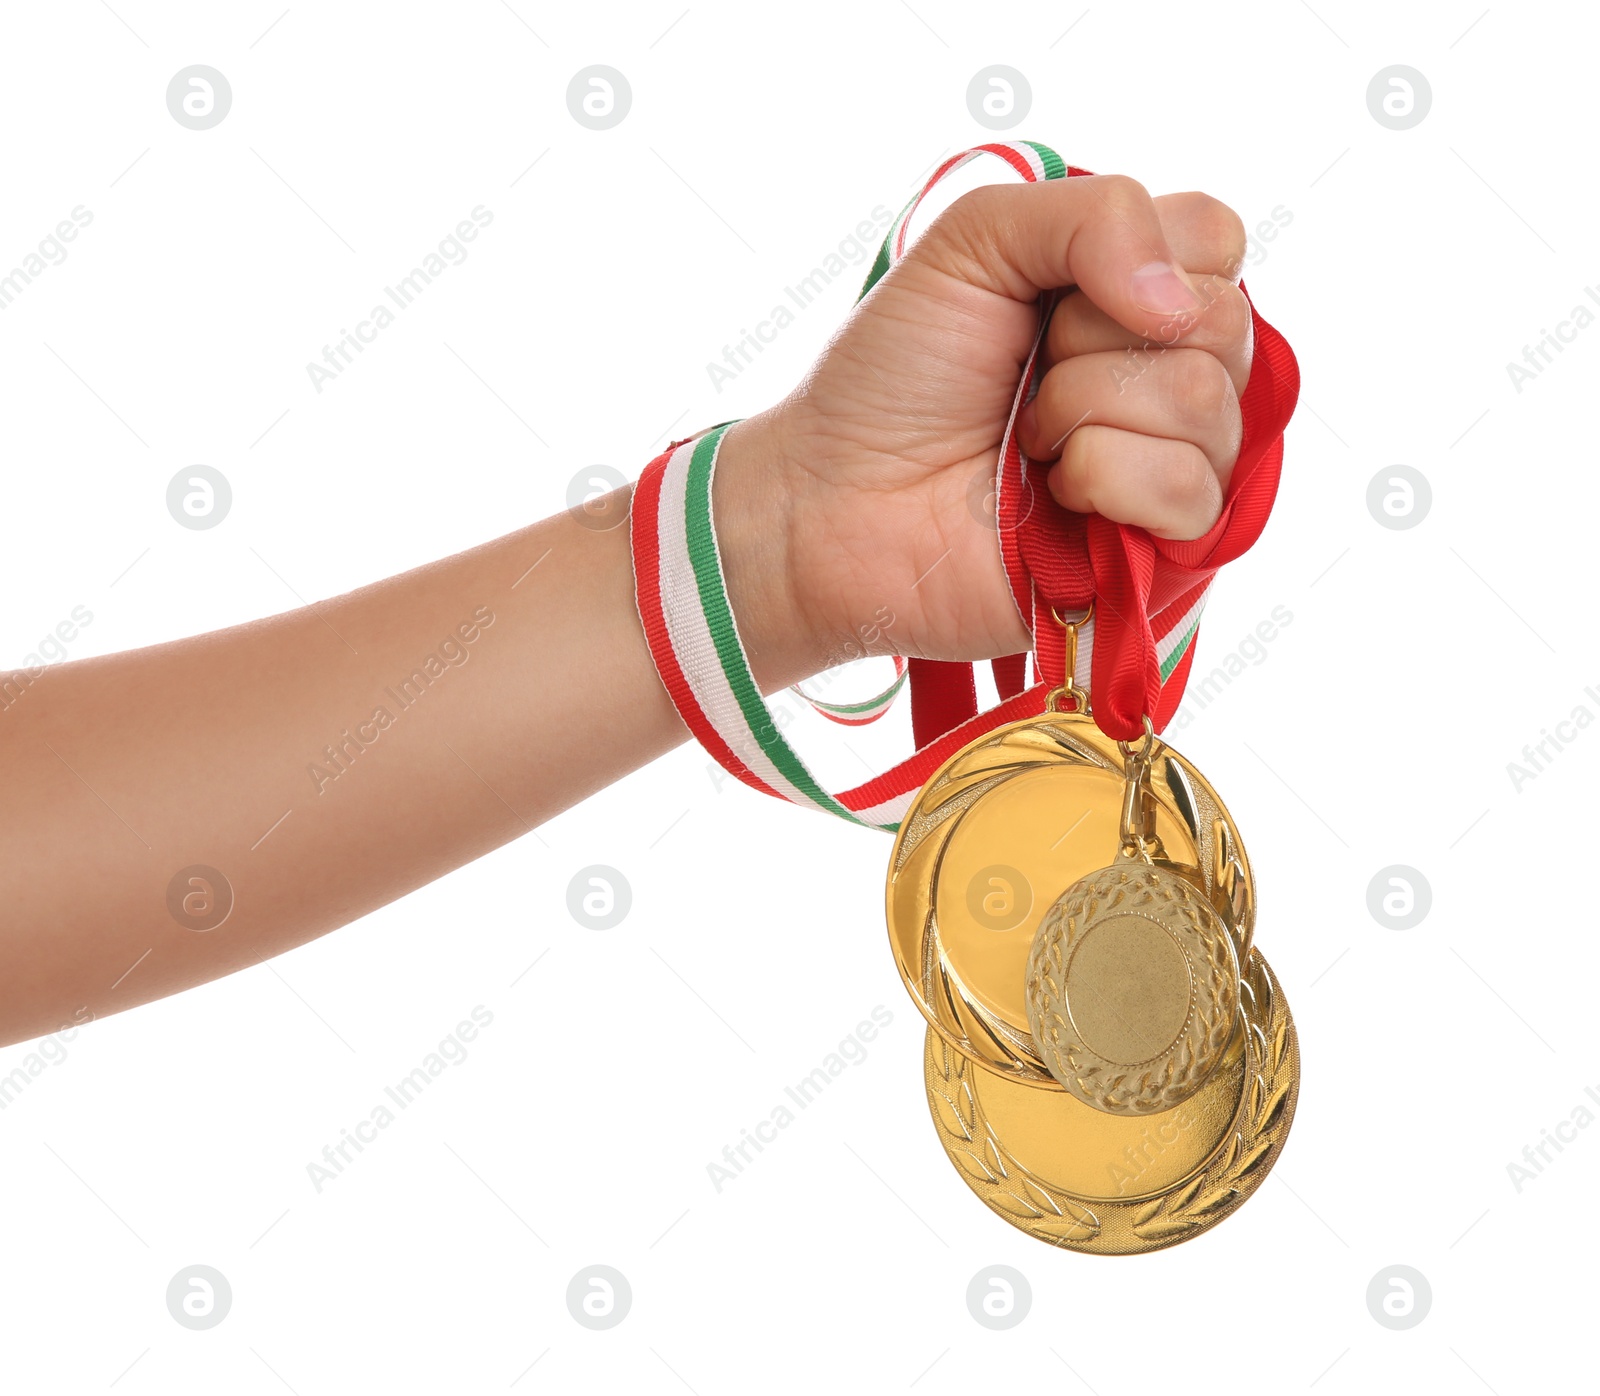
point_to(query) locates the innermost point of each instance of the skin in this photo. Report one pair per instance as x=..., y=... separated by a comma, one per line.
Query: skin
x=834, y=502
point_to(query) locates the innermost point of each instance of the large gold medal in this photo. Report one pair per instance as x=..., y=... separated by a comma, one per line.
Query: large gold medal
x=1110, y=1064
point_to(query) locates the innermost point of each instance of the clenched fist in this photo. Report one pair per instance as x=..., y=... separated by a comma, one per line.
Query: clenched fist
x=854, y=493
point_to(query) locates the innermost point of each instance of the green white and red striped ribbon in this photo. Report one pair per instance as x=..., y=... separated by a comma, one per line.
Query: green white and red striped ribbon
x=859, y=714
x=683, y=602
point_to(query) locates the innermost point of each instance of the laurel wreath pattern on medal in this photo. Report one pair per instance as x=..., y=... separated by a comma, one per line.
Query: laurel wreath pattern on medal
x=1176, y=1073
x=1052, y=1214
x=1236, y=1170
x=990, y=1170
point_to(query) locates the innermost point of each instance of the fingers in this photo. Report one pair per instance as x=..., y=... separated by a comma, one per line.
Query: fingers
x=1208, y=239
x=1206, y=236
x=1165, y=486
x=1101, y=233
x=1184, y=395
x=1142, y=403
x=1224, y=329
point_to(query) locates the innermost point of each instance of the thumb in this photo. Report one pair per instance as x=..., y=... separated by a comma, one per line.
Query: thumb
x=1100, y=233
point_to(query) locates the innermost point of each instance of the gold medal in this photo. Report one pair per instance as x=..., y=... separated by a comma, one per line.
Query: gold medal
x=1133, y=987
x=1109, y=1063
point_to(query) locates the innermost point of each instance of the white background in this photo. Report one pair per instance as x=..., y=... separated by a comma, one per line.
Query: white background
x=1375, y=731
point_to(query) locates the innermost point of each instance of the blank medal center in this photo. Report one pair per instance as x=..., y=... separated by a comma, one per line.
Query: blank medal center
x=1128, y=990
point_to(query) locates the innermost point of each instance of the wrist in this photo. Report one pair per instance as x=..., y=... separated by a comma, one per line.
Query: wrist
x=755, y=495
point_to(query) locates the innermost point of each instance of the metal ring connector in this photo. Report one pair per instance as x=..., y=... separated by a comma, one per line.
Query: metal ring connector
x=1068, y=688
x=1147, y=748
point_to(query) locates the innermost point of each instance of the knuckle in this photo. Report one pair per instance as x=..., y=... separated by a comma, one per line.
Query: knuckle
x=974, y=215
x=954, y=226
x=1059, y=389
x=1233, y=434
x=969, y=238
x=972, y=205
x=1228, y=318
x=1198, y=384
x=964, y=232
x=1121, y=192
x=1184, y=486
x=1218, y=228
x=1067, y=324
x=1084, y=462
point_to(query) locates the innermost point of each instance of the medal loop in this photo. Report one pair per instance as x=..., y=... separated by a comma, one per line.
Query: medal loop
x=1138, y=839
x=1068, y=687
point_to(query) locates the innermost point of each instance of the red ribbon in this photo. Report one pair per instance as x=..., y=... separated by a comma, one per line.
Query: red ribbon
x=1063, y=559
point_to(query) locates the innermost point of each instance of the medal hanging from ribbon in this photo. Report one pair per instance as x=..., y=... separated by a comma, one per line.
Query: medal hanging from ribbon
x=1110, y=1064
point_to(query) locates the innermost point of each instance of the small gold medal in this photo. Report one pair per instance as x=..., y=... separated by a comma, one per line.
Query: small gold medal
x=1110, y=1064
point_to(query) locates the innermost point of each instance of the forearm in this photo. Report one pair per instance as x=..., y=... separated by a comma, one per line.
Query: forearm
x=325, y=762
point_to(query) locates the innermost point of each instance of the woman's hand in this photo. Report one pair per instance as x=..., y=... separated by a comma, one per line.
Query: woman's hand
x=869, y=487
